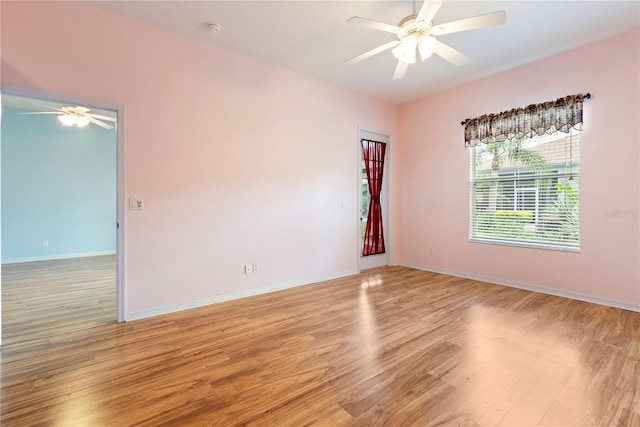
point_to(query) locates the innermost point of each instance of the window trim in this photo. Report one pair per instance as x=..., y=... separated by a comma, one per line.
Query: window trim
x=524, y=244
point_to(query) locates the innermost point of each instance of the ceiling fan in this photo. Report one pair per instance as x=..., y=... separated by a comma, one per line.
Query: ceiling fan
x=77, y=116
x=416, y=32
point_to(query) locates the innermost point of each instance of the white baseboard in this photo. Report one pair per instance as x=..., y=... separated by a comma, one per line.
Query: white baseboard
x=143, y=314
x=527, y=287
x=54, y=257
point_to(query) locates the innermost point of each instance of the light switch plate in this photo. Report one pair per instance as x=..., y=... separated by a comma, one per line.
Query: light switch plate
x=136, y=204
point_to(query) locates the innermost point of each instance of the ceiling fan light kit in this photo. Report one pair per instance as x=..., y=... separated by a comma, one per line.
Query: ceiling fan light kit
x=416, y=32
x=406, y=50
x=426, y=46
x=75, y=117
x=72, y=120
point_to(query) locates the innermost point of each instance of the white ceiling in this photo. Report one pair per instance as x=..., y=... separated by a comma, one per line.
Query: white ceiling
x=313, y=38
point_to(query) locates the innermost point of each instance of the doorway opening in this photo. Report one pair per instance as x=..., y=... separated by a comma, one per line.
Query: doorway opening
x=59, y=215
x=373, y=192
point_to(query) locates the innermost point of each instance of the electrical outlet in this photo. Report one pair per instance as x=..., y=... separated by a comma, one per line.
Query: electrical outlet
x=254, y=267
x=136, y=204
x=45, y=243
x=248, y=268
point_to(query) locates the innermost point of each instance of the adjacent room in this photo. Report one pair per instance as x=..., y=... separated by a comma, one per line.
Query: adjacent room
x=58, y=221
x=320, y=213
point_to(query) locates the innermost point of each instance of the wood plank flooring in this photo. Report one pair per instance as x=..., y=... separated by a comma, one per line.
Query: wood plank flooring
x=44, y=298
x=389, y=347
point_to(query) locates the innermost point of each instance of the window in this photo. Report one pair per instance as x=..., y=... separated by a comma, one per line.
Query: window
x=366, y=200
x=525, y=191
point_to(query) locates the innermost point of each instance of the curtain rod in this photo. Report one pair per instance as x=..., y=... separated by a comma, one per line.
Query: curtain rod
x=586, y=96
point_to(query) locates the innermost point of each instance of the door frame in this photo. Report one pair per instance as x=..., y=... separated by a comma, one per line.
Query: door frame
x=386, y=196
x=120, y=226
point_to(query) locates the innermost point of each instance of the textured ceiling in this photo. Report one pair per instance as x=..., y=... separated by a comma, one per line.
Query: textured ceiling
x=312, y=37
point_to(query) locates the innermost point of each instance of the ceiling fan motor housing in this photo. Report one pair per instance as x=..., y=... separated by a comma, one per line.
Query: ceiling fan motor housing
x=410, y=26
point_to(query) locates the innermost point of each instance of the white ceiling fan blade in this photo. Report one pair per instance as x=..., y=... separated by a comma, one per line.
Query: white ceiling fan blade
x=101, y=117
x=448, y=53
x=49, y=107
x=45, y=112
x=98, y=122
x=428, y=10
x=400, y=71
x=373, y=52
x=374, y=24
x=481, y=21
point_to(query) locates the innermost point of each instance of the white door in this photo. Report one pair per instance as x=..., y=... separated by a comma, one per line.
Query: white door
x=378, y=260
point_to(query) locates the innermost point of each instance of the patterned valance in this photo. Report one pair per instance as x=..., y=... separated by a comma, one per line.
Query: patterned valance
x=536, y=119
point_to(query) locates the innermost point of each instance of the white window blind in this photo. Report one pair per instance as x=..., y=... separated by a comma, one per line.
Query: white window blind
x=526, y=191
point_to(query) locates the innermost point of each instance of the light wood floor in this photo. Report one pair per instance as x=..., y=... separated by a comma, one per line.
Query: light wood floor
x=44, y=298
x=389, y=347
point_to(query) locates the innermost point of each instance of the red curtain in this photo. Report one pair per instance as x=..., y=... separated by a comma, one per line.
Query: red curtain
x=373, y=155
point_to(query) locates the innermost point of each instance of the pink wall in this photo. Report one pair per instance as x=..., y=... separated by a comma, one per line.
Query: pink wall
x=238, y=161
x=433, y=200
